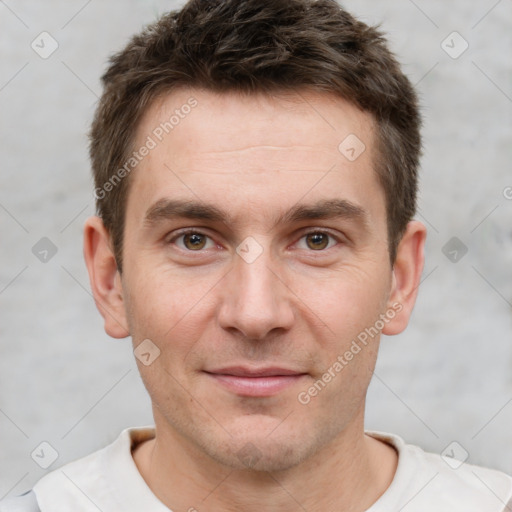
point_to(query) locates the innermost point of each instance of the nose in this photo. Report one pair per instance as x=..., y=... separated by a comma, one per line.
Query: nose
x=256, y=301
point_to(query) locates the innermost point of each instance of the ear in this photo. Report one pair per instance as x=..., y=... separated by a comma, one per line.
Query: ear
x=105, y=278
x=407, y=271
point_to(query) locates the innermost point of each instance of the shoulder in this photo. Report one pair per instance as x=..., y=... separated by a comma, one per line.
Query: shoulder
x=467, y=486
x=430, y=481
x=25, y=503
x=86, y=484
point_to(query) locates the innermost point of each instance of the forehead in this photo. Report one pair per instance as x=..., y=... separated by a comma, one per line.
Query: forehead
x=255, y=149
x=227, y=121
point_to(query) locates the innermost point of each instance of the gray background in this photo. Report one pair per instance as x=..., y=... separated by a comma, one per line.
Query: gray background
x=64, y=381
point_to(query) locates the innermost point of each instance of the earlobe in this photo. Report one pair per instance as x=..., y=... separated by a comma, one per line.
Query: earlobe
x=104, y=278
x=406, y=277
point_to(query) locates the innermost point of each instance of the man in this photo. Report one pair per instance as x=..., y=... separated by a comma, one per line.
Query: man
x=255, y=166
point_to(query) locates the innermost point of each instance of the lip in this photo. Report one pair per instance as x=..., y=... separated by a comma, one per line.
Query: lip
x=245, y=371
x=255, y=382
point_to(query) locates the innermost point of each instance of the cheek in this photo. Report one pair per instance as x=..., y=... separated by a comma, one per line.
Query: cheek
x=170, y=310
x=347, y=300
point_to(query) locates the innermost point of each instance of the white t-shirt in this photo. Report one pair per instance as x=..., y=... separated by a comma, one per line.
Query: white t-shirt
x=108, y=480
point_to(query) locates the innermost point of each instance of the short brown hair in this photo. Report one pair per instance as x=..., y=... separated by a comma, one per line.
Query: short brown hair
x=253, y=46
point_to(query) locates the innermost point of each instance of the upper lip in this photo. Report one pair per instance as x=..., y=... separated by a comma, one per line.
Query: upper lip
x=244, y=371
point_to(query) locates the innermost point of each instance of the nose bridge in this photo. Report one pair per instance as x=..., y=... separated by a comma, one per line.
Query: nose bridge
x=255, y=278
x=256, y=301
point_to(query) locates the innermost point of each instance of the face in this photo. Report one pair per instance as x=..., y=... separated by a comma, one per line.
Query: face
x=255, y=255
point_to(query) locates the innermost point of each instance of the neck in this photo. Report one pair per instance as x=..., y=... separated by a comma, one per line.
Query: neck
x=349, y=474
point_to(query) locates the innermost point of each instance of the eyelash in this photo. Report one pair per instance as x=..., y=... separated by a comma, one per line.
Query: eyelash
x=198, y=232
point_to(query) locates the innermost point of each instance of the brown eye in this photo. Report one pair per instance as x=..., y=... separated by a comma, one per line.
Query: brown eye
x=317, y=241
x=194, y=241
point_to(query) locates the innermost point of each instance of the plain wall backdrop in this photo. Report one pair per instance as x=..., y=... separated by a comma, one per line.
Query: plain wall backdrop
x=63, y=381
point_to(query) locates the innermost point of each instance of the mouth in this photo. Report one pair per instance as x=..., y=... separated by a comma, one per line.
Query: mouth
x=255, y=382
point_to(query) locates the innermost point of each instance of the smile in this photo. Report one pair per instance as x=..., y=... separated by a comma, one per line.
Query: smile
x=255, y=382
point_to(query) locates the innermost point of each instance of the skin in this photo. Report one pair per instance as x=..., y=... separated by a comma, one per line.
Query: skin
x=298, y=305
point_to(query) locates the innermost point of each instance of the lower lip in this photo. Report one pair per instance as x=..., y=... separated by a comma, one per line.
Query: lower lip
x=256, y=386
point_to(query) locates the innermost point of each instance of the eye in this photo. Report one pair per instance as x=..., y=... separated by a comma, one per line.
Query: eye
x=318, y=240
x=192, y=241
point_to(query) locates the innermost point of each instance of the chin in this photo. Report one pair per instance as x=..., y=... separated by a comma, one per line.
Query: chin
x=261, y=455
x=262, y=447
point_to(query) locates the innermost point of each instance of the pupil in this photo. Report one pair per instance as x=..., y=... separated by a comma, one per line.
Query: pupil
x=319, y=240
x=195, y=240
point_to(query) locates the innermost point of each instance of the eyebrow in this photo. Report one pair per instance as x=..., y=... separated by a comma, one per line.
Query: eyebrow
x=166, y=209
